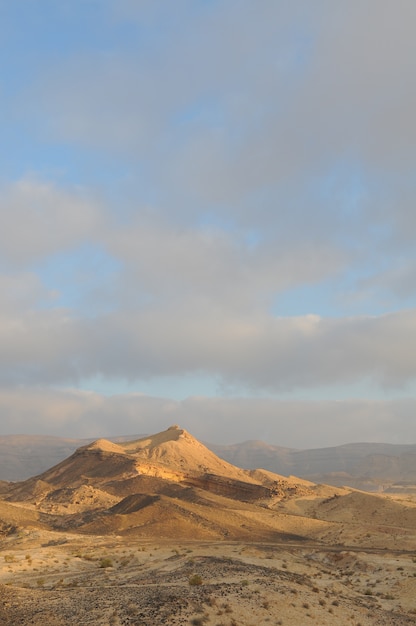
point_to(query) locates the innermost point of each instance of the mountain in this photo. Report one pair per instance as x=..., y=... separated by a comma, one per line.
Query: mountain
x=373, y=467
x=169, y=485
x=367, y=466
x=172, y=454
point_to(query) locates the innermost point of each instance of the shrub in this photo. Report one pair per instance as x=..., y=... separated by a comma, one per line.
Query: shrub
x=195, y=579
x=106, y=563
x=9, y=558
x=199, y=621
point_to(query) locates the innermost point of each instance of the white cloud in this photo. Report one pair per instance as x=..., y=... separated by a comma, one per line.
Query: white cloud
x=217, y=268
x=23, y=290
x=257, y=351
x=245, y=125
x=39, y=219
x=274, y=145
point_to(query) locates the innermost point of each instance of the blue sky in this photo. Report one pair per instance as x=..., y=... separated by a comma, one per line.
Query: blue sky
x=208, y=217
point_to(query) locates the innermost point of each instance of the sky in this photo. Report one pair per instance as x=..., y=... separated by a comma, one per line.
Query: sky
x=208, y=217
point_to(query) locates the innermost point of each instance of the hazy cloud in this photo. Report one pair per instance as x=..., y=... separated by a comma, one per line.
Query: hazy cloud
x=39, y=219
x=217, y=420
x=223, y=190
x=264, y=353
x=222, y=269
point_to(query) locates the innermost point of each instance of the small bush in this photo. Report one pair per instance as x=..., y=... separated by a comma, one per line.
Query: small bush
x=195, y=579
x=131, y=609
x=199, y=621
x=114, y=619
x=106, y=563
x=9, y=558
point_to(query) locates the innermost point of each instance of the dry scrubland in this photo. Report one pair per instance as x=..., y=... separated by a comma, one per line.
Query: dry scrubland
x=161, y=531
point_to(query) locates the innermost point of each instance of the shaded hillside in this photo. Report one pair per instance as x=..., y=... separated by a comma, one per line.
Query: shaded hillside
x=23, y=456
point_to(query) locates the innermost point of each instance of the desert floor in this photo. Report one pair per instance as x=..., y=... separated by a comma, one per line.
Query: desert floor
x=55, y=579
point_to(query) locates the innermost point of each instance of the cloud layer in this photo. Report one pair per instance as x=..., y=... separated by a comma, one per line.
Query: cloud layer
x=293, y=424
x=215, y=190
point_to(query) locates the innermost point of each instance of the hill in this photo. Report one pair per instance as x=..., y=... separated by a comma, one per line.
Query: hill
x=171, y=485
x=167, y=484
x=373, y=467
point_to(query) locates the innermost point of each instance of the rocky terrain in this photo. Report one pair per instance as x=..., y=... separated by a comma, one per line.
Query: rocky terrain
x=160, y=530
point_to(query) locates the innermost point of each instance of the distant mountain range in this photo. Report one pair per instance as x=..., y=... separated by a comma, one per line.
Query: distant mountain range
x=367, y=466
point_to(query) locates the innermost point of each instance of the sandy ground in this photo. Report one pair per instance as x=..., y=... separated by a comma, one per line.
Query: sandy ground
x=55, y=579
